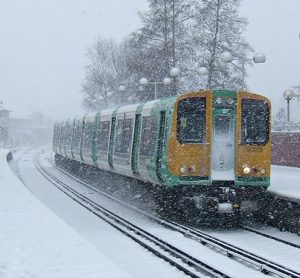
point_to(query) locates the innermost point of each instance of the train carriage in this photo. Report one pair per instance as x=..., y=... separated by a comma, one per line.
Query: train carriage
x=213, y=142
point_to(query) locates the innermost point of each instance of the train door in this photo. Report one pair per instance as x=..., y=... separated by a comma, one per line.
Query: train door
x=135, y=144
x=111, y=142
x=223, y=144
x=160, y=145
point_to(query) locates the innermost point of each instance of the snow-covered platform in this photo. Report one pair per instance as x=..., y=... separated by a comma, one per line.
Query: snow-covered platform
x=285, y=181
x=36, y=243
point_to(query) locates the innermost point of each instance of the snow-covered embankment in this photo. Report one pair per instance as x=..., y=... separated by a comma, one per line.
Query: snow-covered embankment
x=35, y=243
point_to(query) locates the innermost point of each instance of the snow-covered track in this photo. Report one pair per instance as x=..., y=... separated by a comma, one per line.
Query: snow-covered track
x=270, y=236
x=176, y=257
x=266, y=266
x=236, y=253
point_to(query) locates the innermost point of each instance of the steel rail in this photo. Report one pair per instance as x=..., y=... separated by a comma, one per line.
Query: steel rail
x=259, y=263
x=194, y=267
x=271, y=237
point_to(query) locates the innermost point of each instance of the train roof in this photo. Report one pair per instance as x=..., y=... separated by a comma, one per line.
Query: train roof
x=163, y=103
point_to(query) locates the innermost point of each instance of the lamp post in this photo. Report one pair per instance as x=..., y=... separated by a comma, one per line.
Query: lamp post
x=288, y=95
x=227, y=57
x=144, y=82
x=122, y=88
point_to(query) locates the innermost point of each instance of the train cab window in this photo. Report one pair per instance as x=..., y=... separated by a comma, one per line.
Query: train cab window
x=255, y=123
x=148, y=137
x=191, y=119
x=103, y=136
x=124, y=135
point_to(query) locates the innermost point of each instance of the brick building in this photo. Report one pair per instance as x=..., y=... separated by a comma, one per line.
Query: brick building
x=286, y=148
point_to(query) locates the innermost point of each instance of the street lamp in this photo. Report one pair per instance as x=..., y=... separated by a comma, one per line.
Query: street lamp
x=203, y=71
x=167, y=81
x=144, y=82
x=227, y=57
x=258, y=58
x=122, y=88
x=288, y=95
x=174, y=72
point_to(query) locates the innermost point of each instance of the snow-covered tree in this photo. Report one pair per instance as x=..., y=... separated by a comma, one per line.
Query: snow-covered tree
x=280, y=120
x=218, y=28
x=104, y=73
x=174, y=33
x=160, y=43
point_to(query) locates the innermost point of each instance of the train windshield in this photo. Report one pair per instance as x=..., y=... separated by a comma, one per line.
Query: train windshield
x=191, y=120
x=255, y=122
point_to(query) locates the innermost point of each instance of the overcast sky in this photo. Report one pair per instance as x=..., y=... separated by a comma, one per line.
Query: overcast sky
x=43, y=45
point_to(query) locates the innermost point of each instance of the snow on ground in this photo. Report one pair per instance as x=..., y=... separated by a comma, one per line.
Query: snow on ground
x=285, y=181
x=36, y=243
x=277, y=252
x=128, y=255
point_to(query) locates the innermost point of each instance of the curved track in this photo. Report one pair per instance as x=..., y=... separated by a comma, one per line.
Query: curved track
x=187, y=263
x=181, y=260
x=256, y=262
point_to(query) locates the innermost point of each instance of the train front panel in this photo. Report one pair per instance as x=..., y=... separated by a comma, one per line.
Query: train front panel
x=215, y=136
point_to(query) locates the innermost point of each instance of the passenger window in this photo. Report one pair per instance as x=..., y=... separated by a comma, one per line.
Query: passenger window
x=77, y=135
x=67, y=139
x=124, y=135
x=88, y=135
x=255, y=122
x=191, y=119
x=103, y=136
x=148, y=137
x=119, y=136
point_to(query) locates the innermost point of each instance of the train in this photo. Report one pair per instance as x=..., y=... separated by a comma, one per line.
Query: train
x=207, y=149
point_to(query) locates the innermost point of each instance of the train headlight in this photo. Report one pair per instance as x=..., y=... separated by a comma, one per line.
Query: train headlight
x=182, y=169
x=246, y=170
x=262, y=171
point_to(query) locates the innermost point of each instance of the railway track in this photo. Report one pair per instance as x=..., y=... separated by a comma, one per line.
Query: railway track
x=238, y=254
x=270, y=237
x=173, y=255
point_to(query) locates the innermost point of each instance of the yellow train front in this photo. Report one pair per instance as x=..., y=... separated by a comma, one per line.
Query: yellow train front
x=218, y=150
